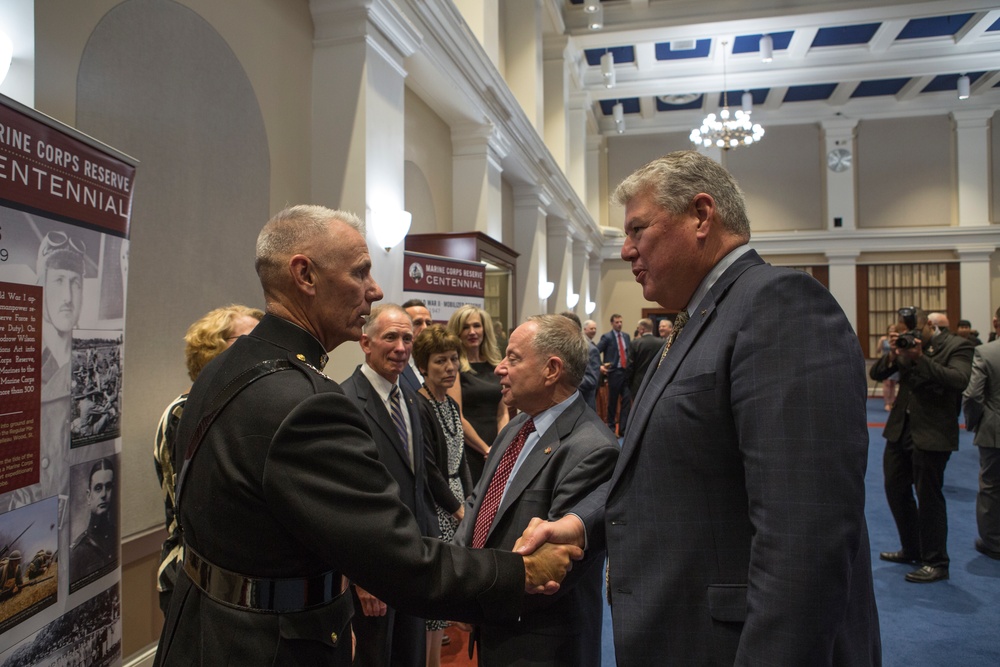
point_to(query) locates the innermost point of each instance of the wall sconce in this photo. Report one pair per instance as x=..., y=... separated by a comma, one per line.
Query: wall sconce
x=390, y=227
x=572, y=299
x=591, y=307
x=6, y=54
x=766, y=49
x=608, y=69
x=545, y=289
x=963, y=87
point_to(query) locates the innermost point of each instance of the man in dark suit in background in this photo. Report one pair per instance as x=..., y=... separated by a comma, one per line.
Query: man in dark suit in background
x=421, y=316
x=592, y=374
x=614, y=347
x=981, y=402
x=934, y=366
x=549, y=457
x=281, y=494
x=387, y=636
x=734, y=522
x=644, y=349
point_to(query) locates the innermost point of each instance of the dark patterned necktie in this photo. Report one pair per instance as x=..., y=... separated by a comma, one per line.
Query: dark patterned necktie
x=679, y=322
x=491, y=503
x=397, y=418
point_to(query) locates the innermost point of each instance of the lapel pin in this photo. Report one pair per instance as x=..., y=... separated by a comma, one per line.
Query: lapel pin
x=548, y=450
x=703, y=313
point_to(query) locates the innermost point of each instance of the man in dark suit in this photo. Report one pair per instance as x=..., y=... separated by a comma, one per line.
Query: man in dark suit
x=644, y=349
x=734, y=521
x=544, y=461
x=386, y=636
x=282, y=494
x=421, y=316
x=592, y=373
x=981, y=402
x=614, y=347
x=934, y=366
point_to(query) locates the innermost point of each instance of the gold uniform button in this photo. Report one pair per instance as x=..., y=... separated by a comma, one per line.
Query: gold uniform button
x=300, y=357
x=333, y=637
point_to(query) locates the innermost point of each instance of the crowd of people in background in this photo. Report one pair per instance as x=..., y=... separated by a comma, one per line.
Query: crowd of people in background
x=462, y=467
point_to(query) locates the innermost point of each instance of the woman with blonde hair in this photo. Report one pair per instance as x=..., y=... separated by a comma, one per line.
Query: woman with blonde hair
x=478, y=391
x=204, y=340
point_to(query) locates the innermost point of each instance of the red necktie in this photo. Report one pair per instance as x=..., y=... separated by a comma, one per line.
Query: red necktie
x=491, y=503
x=621, y=348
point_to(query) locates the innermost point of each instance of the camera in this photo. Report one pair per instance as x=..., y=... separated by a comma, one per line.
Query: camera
x=907, y=340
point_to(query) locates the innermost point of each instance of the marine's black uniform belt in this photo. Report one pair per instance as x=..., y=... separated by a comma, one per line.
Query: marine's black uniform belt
x=260, y=594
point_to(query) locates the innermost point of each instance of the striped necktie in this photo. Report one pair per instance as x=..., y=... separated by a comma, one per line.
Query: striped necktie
x=397, y=418
x=679, y=322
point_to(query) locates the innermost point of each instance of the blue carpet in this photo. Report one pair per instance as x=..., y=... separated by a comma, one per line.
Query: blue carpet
x=950, y=622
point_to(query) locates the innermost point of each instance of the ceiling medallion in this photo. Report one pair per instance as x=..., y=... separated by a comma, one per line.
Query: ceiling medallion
x=730, y=128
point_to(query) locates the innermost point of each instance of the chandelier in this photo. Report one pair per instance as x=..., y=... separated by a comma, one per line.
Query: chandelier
x=730, y=128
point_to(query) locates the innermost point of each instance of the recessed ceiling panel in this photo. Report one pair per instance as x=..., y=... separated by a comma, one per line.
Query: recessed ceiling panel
x=845, y=34
x=622, y=54
x=934, y=26
x=629, y=105
x=701, y=50
x=751, y=43
x=879, y=87
x=811, y=93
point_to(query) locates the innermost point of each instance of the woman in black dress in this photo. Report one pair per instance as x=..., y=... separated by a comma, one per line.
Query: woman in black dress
x=478, y=392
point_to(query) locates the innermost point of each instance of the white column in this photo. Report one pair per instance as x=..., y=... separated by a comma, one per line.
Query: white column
x=556, y=98
x=477, y=151
x=844, y=282
x=972, y=144
x=523, y=57
x=530, y=203
x=841, y=193
x=482, y=18
x=595, y=157
x=559, y=250
x=359, y=48
x=974, y=276
x=580, y=277
x=594, y=284
x=576, y=153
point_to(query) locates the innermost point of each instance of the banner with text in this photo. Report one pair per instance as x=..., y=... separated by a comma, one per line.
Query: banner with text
x=444, y=284
x=65, y=206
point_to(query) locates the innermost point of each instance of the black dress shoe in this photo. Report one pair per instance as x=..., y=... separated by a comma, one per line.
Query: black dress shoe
x=927, y=574
x=986, y=551
x=898, y=557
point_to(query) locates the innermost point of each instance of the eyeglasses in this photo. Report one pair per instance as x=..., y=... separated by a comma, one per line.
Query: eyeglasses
x=56, y=240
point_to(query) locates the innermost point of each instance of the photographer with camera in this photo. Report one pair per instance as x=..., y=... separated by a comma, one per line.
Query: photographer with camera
x=934, y=366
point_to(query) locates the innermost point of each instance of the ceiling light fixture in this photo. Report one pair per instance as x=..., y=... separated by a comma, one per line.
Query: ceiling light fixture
x=618, y=113
x=766, y=49
x=595, y=18
x=590, y=6
x=963, y=87
x=608, y=69
x=729, y=129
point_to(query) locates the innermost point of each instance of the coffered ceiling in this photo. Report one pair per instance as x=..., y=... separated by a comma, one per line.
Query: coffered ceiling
x=878, y=59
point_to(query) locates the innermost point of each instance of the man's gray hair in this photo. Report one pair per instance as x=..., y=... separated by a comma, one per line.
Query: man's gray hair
x=559, y=336
x=291, y=231
x=376, y=314
x=675, y=179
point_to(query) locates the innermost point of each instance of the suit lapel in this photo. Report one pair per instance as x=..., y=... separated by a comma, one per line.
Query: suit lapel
x=375, y=409
x=538, y=458
x=657, y=380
